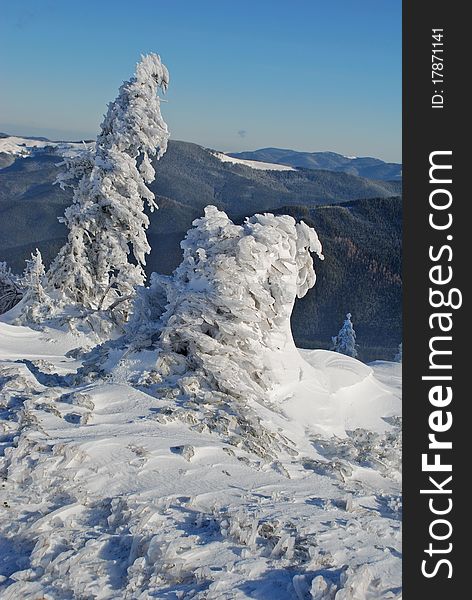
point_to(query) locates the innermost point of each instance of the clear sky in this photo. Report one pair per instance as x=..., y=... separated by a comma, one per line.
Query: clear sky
x=304, y=74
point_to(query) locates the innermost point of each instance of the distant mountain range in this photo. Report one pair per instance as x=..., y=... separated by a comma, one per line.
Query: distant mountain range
x=362, y=238
x=373, y=168
x=281, y=159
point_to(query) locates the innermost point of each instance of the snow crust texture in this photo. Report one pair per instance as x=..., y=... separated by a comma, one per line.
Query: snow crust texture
x=108, y=494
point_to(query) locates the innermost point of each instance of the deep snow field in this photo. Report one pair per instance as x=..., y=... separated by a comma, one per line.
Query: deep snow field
x=106, y=495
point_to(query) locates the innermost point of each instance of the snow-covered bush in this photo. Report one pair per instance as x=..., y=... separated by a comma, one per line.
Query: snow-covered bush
x=10, y=288
x=345, y=341
x=106, y=220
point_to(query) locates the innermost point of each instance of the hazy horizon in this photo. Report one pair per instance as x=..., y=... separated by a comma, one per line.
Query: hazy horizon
x=16, y=133
x=315, y=77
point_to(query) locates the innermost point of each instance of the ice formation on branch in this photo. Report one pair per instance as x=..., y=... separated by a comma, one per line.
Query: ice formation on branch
x=106, y=220
x=345, y=341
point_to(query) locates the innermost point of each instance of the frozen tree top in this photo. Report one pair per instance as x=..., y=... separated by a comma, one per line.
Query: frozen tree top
x=133, y=123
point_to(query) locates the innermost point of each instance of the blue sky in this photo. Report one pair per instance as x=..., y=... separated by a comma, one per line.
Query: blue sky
x=307, y=74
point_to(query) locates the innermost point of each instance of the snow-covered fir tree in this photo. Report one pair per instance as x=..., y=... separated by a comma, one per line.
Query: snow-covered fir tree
x=10, y=288
x=399, y=355
x=34, y=276
x=345, y=341
x=106, y=220
x=36, y=304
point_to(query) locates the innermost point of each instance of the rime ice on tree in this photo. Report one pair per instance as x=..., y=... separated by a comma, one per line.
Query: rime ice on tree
x=220, y=324
x=106, y=220
x=229, y=302
x=35, y=304
x=345, y=341
x=34, y=276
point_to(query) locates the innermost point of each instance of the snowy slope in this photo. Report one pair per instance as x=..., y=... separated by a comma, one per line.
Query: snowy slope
x=106, y=495
x=23, y=147
x=253, y=164
x=20, y=146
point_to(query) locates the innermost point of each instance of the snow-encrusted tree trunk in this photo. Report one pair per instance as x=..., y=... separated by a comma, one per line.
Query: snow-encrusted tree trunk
x=106, y=220
x=10, y=288
x=345, y=341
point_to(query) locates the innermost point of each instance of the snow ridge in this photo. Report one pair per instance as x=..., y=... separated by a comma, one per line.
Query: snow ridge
x=253, y=164
x=23, y=147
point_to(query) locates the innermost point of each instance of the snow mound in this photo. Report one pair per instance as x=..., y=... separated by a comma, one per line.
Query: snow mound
x=339, y=370
x=336, y=394
x=22, y=343
x=253, y=164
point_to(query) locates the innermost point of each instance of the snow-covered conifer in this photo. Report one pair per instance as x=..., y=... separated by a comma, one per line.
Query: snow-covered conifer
x=10, y=288
x=399, y=355
x=144, y=325
x=36, y=303
x=345, y=341
x=76, y=166
x=34, y=276
x=106, y=220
